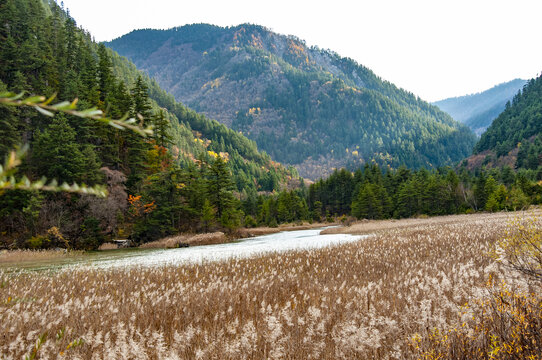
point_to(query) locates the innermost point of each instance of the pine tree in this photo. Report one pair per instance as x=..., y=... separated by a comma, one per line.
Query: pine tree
x=105, y=84
x=367, y=205
x=141, y=107
x=9, y=123
x=136, y=147
x=161, y=129
x=57, y=155
x=220, y=187
x=207, y=215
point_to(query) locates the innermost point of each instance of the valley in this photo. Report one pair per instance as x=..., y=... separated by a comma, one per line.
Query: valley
x=198, y=191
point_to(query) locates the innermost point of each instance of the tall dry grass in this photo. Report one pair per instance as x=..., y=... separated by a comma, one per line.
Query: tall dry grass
x=371, y=226
x=14, y=257
x=362, y=300
x=507, y=322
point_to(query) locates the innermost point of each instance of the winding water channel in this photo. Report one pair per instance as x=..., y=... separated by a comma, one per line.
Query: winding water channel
x=279, y=242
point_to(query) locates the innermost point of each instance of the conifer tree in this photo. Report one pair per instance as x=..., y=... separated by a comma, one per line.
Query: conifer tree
x=141, y=107
x=106, y=83
x=220, y=187
x=57, y=155
x=137, y=147
x=161, y=129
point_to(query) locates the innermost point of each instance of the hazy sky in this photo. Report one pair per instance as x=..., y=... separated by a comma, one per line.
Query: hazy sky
x=433, y=48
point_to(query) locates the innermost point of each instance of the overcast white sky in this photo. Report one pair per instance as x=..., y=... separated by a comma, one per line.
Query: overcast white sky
x=433, y=48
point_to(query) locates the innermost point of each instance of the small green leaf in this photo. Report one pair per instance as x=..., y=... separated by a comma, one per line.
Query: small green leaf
x=115, y=125
x=18, y=96
x=91, y=112
x=34, y=99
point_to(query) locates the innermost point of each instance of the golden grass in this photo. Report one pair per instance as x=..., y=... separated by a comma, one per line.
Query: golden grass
x=108, y=246
x=175, y=241
x=17, y=256
x=371, y=226
x=265, y=230
x=165, y=243
x=207, y=239
x=362, y=300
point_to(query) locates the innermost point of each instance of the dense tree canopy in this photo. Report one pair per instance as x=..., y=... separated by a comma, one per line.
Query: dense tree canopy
x=519, y=123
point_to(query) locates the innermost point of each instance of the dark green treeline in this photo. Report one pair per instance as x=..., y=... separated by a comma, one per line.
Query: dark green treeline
x=372, y=193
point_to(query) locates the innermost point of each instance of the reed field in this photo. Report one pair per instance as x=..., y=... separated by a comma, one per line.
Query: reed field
x=383, y=297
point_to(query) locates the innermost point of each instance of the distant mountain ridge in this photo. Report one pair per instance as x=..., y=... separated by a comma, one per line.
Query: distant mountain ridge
x=304, y=106
x=477, y=111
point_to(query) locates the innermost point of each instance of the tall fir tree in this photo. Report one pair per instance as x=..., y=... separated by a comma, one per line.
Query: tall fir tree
x=220, y=187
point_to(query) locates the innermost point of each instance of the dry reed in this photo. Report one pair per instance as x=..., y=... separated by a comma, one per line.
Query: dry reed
x=175, y=241
x=14, y=257
x=108, y=246
x=361, y=300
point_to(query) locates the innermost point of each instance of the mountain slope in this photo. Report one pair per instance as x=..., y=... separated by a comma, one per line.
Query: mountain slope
x=514, y=137
x=196, y=135
x=304, y=106
x=477, y=111
x=44, y=52
x=517, y=126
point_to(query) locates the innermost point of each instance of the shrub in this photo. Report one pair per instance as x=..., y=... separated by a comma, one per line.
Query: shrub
x=521, y=248
x=506, y=325
x=250, y=222
x=37, y=242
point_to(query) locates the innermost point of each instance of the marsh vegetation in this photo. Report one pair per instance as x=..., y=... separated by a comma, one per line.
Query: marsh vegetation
x=380, y=297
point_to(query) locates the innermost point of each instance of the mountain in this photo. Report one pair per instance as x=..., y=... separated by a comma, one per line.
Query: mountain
x=304, y=106
x=196, y=134
x=477, y=111
x=514, y=138
x=190, y=175
x=44, y=52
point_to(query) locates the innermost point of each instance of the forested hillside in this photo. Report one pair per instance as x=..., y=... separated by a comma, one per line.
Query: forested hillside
x=304, y=106
x=477, y=111
x=183, y=177
x=515, y=135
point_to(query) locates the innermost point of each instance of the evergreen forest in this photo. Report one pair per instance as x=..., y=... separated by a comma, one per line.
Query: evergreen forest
x=516, y=131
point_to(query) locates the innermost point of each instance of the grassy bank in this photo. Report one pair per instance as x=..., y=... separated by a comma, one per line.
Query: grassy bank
x=359, y=301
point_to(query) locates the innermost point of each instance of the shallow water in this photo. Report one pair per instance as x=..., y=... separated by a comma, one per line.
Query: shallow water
x=279, y=242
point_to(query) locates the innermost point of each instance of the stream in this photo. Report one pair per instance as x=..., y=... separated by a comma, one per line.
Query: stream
x=278, y=242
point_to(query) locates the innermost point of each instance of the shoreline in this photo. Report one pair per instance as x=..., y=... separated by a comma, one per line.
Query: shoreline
x=26, y=256
x=215, y=238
